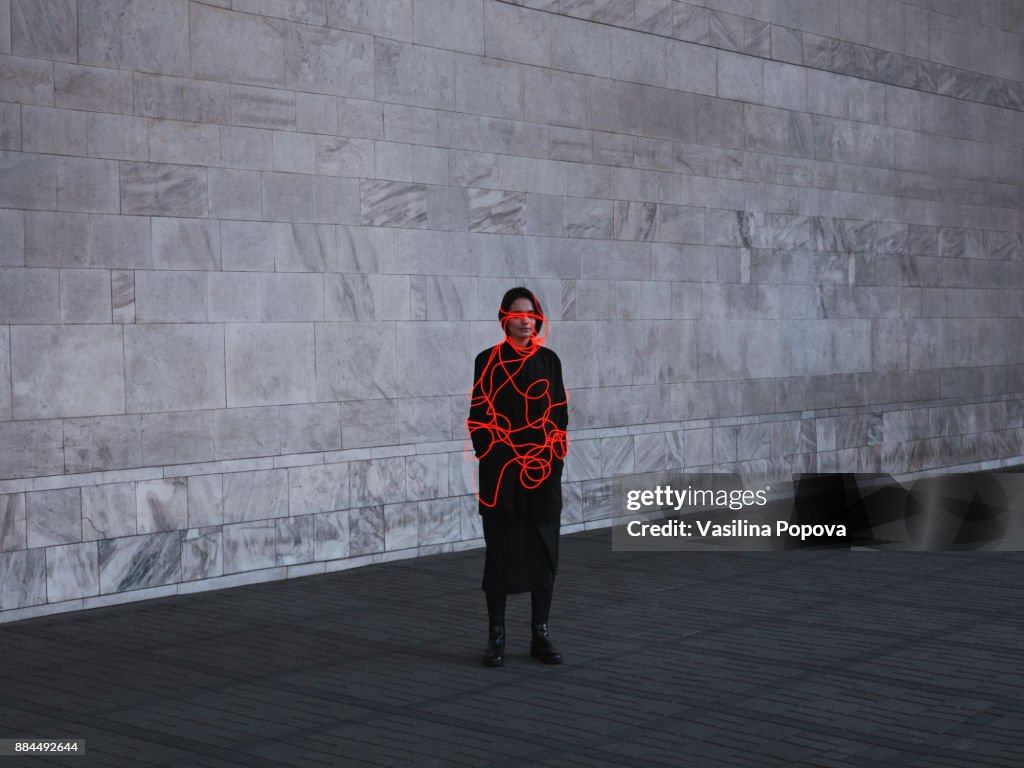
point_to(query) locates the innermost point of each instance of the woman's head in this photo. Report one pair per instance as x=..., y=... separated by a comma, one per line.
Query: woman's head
x=520, y=315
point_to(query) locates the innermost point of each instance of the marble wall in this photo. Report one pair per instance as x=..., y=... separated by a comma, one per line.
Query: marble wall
x=249, y=249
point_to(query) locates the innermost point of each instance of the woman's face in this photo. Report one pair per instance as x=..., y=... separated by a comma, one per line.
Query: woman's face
x=518, y=327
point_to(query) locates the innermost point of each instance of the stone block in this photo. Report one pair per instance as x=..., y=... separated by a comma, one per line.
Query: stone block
x=488, y=87
x=157, y=96
x=430, y=165
x=135, y=35
x=364, y=249
x=360, y=118
x=72, y=572
x=259, y=495
x=251, y=148
x=138, y=562
x=691, y=23
x=393, y=204
x=234, y=297
x=410, y=125
x=240, y=433
x=92, y=88
x=263, y=107
x=85, y=296
x=30, y=448
x=170, y=297
x=310, y=427
x=295, y=540
x=778, y=131
x=305, y=248
x=102, y=443
x=369, y=423
x=401, y=526
x=331, y=535
x=205, y=102
x=174, y=367
x=319, y=488
x=288, y=197
x=22, y=579
x=329, y=61
x=353, y=297
x=162, y=505
x=109, y=511
x=174, y=141
x=12, y=522
x=366, y=531
x=495, y=211
x=516, y=34
x=290, y=297
x=294, y=152
x=118, y=137
x=53, y=131
x=11, y=239
x=615, y=106
x=391, y=19
x=177, y=438
x=720, y=122
x=414, y=75
x=250, y=546
x=580, y=46
x=436, y=351
x=785, y=86
x=55, y=239
x=41, y=356
x=5, y=30
x=740, y=78
x=456, y=25
x=270, y=364
x=10, y=127
x=316, y=113
x=378, y=481
x=638, y=57
x=551, y=97
x=235, y=194
x=669, y=114
x=236, y=47
x=205, y=501
x=87, y=185
x=392, y=161
x=202, y=554
x=186, y=244
x=26, y=81
x=28, y=181
x=29, y=295
x=355, y=361
x=119, y=242
x=302, y=11
x=163, y=190
x=440, y=521
x=691, y=68
x=336, y=200
x=53, y=517
x=247, y=246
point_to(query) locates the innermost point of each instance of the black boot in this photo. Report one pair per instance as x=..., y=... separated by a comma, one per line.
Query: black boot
x=541, y=646
x=494, y=656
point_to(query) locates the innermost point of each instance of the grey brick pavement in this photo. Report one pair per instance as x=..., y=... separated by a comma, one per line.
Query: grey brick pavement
x=673, y=659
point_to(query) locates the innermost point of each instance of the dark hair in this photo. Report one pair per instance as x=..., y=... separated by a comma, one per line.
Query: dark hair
x=520, y=293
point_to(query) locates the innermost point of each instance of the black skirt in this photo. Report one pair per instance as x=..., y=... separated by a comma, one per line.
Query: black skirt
x=521, y=555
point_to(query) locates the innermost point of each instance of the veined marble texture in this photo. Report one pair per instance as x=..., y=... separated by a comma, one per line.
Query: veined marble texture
x=12, y=521
x=109, y=511
x=258, y=495
x=393, y=204
x=22, y=578
x=135, y=562
x=250, y=546
x=72, y=571
x=295, y=539
x=202, y=553
x=366, y=530
x=401, y=526
x=162, y=505
x=331, y=535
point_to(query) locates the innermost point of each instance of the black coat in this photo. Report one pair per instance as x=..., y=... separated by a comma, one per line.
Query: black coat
x=517, y=421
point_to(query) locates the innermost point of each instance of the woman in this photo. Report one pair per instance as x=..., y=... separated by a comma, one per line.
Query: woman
x=517, y=420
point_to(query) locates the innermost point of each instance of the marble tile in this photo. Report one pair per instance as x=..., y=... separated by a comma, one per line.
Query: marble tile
x=650, y=452
x=393, y=203
x=270, y=363
x=243, y=432
x=163, y=190
x=331, y=535
x=22, y=578
x=109, y=511
x=137, y=562
x=250, y=546
x=202, y=554
x=318, y=488
x=255, y=495
x=162, y=505
x=378, y=481
x=426, y=476
x=122, y=289
x=12, y=522
x=135, y=35
x=295, y=540
x=54, y=517
x=366, y=531
x=329, y=61
x=72, y=571
x=312, y=427
x=600, y=499
x=205, y=501
x=28, y=448
x=177, y=438
x=401, y=526
x=439, y=521
x=355, y=363
x=194, y=352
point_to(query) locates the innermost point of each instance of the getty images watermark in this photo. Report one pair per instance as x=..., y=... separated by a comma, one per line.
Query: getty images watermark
x=714, y=512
